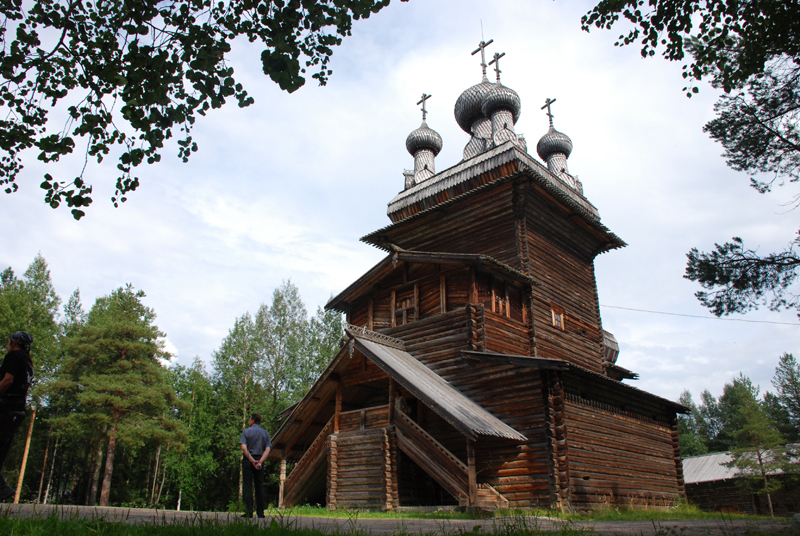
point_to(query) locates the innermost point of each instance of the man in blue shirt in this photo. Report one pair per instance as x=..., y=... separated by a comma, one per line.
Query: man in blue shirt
x=255, y=446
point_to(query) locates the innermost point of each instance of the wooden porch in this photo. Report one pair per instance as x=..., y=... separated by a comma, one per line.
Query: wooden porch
x=356, y=458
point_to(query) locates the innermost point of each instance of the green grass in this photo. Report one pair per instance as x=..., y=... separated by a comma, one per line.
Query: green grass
x=319, y=511
x=681, y=511
x=517, y=524
x=52, y=526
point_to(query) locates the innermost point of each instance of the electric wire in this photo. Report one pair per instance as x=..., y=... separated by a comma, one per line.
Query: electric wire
x=701, y=317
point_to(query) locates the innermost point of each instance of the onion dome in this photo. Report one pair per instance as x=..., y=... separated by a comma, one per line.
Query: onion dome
x=554, y=142
x=424, y=138
x=500, y=97
x=468, y=105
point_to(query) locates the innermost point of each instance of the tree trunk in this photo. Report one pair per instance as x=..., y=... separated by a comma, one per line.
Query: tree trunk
x=766, y=483
x=98, y=466
x=155, y=477
x=180, y=495
x=44, y=467
x=161, y=487
x=52, y=467
x=105, y=491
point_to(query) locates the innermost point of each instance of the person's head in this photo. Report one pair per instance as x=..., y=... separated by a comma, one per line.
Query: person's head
x=20, y=340
x=255, y=418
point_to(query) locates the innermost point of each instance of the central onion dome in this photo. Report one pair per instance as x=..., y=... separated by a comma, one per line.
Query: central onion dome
x=424, y=138
x=552, y=143
x=500, y=97
x=468, y=105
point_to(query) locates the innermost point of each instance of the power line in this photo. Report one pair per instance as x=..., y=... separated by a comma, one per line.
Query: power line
x=701, y=317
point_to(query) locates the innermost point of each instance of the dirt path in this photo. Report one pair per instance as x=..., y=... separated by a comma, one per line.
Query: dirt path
x=407, y=526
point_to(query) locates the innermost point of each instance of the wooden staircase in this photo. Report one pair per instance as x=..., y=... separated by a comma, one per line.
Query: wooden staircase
x=309, y=469
x=442, y=465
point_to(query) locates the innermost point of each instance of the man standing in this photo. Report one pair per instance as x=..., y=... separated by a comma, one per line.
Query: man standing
x=255, y=446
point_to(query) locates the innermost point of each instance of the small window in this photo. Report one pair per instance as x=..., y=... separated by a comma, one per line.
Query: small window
x=558, y=316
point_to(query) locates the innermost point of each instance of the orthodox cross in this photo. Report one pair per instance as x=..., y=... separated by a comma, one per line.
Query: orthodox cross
x=481, y=48
x=425, y=97
x=547, y=104
x=496, y=62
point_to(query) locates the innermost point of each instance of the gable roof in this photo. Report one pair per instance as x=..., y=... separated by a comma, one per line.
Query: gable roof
x=434, y=391
x=364, y=283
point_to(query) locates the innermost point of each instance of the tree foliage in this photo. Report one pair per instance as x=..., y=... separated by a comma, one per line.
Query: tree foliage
x=130, y=75
x=730, y=39
x=758, y=126
x=738, y=279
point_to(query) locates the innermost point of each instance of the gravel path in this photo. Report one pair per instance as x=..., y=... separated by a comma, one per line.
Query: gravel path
x=376, y=527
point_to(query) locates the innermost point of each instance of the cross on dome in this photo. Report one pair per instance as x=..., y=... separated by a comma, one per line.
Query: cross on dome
x=496, y=61
x=547, y=104
x=481, y=48
x=424, y=98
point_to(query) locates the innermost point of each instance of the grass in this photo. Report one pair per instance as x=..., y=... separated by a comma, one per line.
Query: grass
x=516, y=523
x=681, y=511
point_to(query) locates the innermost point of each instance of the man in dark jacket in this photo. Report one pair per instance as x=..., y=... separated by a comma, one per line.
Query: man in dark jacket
x=16, y=375
x=255, y=447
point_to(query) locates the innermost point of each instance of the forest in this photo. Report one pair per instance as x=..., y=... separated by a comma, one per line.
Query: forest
x=117, y=423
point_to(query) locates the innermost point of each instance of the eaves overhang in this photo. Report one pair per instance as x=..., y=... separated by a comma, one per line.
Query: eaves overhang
x=563, y=365
x=364, y=283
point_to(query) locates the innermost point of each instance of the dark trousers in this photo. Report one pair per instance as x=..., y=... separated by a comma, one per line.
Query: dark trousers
x=9, y=422
x=250, y=477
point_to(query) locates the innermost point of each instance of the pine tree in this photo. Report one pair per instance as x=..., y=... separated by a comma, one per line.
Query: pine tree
x=758, y=455
x=787, y=386
x=115, y=378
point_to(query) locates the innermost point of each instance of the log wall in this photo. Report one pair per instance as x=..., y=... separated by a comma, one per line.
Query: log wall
x=359, y=480
x=483, y=224
x=616, y=458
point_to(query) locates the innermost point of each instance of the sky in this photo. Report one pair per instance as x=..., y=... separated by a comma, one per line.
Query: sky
x=284, y=189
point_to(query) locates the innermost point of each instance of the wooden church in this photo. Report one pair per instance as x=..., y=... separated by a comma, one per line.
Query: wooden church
x=475, y=370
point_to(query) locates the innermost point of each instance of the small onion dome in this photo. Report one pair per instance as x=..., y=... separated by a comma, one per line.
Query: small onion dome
x=554, y=142
x=468, y=105
x=424, y=138
x=501, y=97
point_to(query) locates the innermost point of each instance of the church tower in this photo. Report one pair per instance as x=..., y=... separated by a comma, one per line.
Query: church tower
x=475, y=370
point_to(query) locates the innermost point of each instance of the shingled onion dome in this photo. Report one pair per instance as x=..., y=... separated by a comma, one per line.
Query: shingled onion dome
x=503, y=106
x=554, y=148
x=470, y=118
x=423, y=144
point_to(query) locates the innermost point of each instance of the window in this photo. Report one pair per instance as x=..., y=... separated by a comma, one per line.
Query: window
x=558, y=316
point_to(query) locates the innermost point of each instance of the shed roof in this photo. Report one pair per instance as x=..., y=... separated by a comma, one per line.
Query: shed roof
x=707, y=468
x=560, y=364
x=435, y=392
